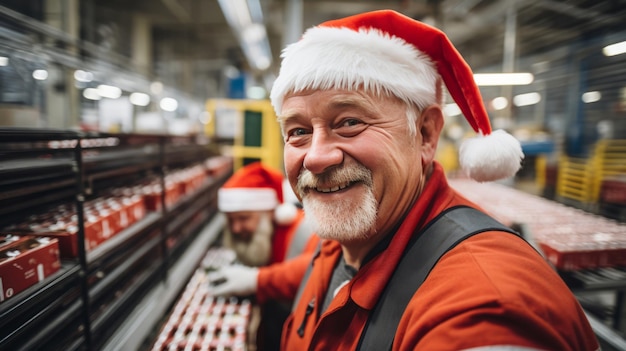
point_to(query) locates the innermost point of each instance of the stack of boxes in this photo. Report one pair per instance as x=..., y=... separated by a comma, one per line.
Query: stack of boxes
x=178, y=184
x=108, y=215
x=31, y=249
x=104, y=217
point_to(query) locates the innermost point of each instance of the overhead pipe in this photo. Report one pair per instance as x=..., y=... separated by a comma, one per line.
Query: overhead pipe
x=293, y=22
x=509, y=52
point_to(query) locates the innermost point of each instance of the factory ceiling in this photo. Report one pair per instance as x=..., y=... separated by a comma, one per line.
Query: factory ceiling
x=195, y=33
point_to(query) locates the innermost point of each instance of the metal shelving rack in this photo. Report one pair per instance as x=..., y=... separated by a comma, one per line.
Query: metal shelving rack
x=84, y=304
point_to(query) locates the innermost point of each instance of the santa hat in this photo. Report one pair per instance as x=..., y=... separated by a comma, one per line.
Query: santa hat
x=384, y=51
x=256, y=187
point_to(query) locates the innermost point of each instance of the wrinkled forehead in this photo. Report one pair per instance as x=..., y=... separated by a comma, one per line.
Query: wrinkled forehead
x=338, y=99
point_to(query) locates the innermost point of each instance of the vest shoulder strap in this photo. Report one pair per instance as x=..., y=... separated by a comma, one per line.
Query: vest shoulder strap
x=305, y=278
x=299, y=239
x=422, y=253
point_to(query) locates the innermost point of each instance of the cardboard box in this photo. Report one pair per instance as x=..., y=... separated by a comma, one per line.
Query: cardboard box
x=68, y=241
x=217, y=165
x=613, y=190
x=8, y=239
x=26, y=262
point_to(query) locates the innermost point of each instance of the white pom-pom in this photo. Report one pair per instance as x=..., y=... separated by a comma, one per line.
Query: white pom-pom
x=288, y=195
x=285, y=213
x=492, y=157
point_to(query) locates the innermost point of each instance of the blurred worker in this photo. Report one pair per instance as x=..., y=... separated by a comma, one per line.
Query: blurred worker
x=263, y=227
x=406, y=263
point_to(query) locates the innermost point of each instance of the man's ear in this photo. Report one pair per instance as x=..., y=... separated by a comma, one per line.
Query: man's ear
x=429, y=127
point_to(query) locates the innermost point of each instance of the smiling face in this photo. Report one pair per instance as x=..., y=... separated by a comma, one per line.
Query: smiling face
x=352, y=160
x=244, y=224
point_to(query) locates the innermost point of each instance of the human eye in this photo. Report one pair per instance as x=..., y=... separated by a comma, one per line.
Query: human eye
x=350, y=122
x=350, y=127
x=297, y=133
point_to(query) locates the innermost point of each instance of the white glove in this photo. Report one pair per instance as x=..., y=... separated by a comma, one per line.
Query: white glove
x=236, y=280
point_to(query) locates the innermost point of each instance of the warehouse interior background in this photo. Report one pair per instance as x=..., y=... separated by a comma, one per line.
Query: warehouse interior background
x=192, y=51
x=151, y=66
x=167, y=68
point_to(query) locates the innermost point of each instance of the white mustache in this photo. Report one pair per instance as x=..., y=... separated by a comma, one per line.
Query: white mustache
x=333, y=180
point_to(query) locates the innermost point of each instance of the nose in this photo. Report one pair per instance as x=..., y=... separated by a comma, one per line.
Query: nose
x=322, y=154
x=235, y=226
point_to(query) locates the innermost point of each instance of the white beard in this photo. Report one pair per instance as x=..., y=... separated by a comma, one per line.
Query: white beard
x=340, y=220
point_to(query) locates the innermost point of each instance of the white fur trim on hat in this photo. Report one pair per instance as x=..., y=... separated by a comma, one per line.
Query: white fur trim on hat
x=330, y=57
x=246, y=199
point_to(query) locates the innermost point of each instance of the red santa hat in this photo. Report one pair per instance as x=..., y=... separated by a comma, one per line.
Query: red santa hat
x=387, y=52
x=256, y=187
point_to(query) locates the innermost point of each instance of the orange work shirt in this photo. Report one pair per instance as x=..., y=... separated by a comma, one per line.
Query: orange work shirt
x=492, y=289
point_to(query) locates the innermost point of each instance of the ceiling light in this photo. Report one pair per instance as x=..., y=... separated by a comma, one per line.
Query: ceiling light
x=614, y=49
x=83, y=76
x=253, y=33
x=261, y=55
x=4, y=61
x=168, y=104
x=236, y=12
x=263, y=63
x=109, y=91
x=231, y=72
x=499, y=103
x=139, y=99
x=526, y=99
x=246, y=20
x=497, y=79
x=591, y=96
x=40, y=74
x=91, y=94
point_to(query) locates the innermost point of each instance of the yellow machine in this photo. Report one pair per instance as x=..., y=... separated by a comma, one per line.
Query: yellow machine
x=580, y=179
x=247, y=130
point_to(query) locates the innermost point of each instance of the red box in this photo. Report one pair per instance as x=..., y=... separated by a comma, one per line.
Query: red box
x=67, y=238
x=217, y=165
x=64, y=231
x=27, y=262
x=152, y=197
x=109, y=220
x=172, y=193
x=68, y=241
x=135, y=208
x=65, y=225
x=613, y=190
x=93, y=231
